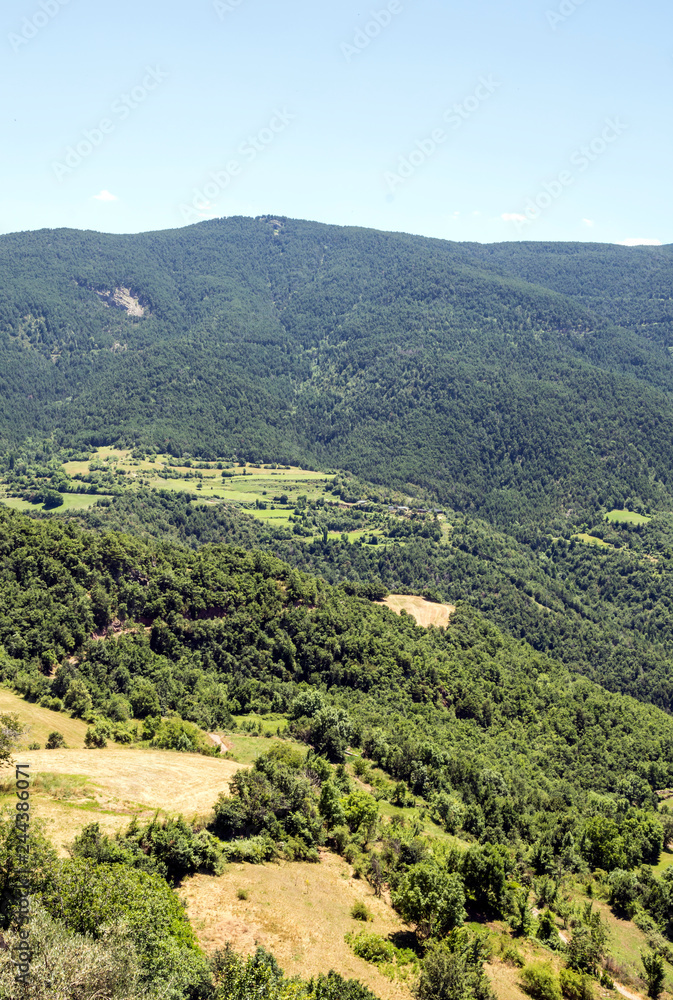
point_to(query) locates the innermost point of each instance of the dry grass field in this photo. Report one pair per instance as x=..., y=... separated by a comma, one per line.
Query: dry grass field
x=425, y=612
x=299, y=911
x=75, y=786
x=72, y=788
x=42, y=721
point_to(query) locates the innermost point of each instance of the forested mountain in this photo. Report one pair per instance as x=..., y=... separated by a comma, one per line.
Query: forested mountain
x=520, y=379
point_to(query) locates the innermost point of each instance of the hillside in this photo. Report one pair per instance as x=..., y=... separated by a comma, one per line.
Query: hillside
x=493, y=377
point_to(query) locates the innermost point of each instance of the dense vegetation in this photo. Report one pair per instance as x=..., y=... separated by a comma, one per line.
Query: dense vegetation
x=602, y=609
x=492, y=377
x=226, y=631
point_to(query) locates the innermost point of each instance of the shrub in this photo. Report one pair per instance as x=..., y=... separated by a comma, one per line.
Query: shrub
x=452, y=971
x=241, y=894
x=95, y=738
x=360, y=912
x=371, y=947
x=575, y=986
x=54, y=741
x=511, y=954
x=539, y=981
x=34, y=746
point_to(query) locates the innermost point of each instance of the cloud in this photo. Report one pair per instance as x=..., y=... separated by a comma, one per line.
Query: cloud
x=638, y=241
x=513, y=217
x=105, y=196
x=588, y=222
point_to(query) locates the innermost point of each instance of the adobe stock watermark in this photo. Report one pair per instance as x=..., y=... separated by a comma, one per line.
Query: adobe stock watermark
x=248, y=151
x=565, y=10
x=455, y=116
x=120, y=110
x=363, y=37
x=32, y=26
x=581, y=159
x=224, y=7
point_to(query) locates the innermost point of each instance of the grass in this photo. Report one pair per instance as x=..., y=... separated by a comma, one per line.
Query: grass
x=665, y=861
x=42, y=721
x=299, y=911
x=592, y=540
x=71, y=501
x=626, y=517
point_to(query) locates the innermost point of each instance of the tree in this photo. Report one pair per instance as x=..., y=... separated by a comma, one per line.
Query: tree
x=144, y=699
x=431, y=898
x=653, y=966
x=452, y=974
x=55, y=740
x=361, y=810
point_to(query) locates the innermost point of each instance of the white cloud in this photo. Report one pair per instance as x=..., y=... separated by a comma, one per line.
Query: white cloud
x=105, y=196
x=637, y=241
x=513, y=217
x=588, y=222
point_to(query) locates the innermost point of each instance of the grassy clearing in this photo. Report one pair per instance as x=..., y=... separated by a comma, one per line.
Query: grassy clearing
x=71, y=788
x=425, y=612
x=42, y=721
x=592, y=540
x=627, y=517
x=665, y=861
x=299, y=911
x=71, y=501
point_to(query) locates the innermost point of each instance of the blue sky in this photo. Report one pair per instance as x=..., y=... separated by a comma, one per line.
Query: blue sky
x=480, y=120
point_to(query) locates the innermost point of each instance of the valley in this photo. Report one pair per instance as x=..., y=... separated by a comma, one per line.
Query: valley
x=335, y=613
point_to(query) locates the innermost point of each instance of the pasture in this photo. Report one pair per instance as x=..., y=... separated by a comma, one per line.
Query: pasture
x=627, y=517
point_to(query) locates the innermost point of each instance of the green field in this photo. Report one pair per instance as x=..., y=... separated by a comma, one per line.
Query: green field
x=592, y=540
x=626, y=517
x=71, y=501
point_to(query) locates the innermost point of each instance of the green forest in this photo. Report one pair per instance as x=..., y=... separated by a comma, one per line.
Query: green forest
x=514, y=381
x=484, y=426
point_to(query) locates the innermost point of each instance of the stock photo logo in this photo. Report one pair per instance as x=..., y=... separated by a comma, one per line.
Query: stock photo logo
x=581, y=158
x=31, y=26
x=565, y=10
x=363, y=37
x=201, y=205
x=454, y=116
x=120, y=110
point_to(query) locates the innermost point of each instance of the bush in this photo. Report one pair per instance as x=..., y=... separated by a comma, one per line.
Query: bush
x=371, y=947
x=242, y=894
x=539, y=981
x=360, y=912
x=452, y=971
x=34, y=746
x=575, y=986
x=55, y=741
x=250, y=850
x=95, y=738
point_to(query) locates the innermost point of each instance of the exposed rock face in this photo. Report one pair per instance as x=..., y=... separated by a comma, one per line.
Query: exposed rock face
x=121, y=298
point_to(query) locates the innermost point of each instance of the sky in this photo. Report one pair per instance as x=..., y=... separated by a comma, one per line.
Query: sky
x=478, y=120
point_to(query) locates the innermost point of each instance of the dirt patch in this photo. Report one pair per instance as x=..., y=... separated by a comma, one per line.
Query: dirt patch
x=425, y=612
x=299, y=911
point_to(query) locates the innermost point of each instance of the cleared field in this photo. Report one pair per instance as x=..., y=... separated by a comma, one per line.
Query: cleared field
x=592, y=540
x=142, y=779
x=71, y=501
x=425, y=612
x=299, y=911
x=111, y=786
x=627, y=517
x=43, y=721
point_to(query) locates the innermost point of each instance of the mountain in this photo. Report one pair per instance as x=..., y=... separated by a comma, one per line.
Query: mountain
x=520, y=380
